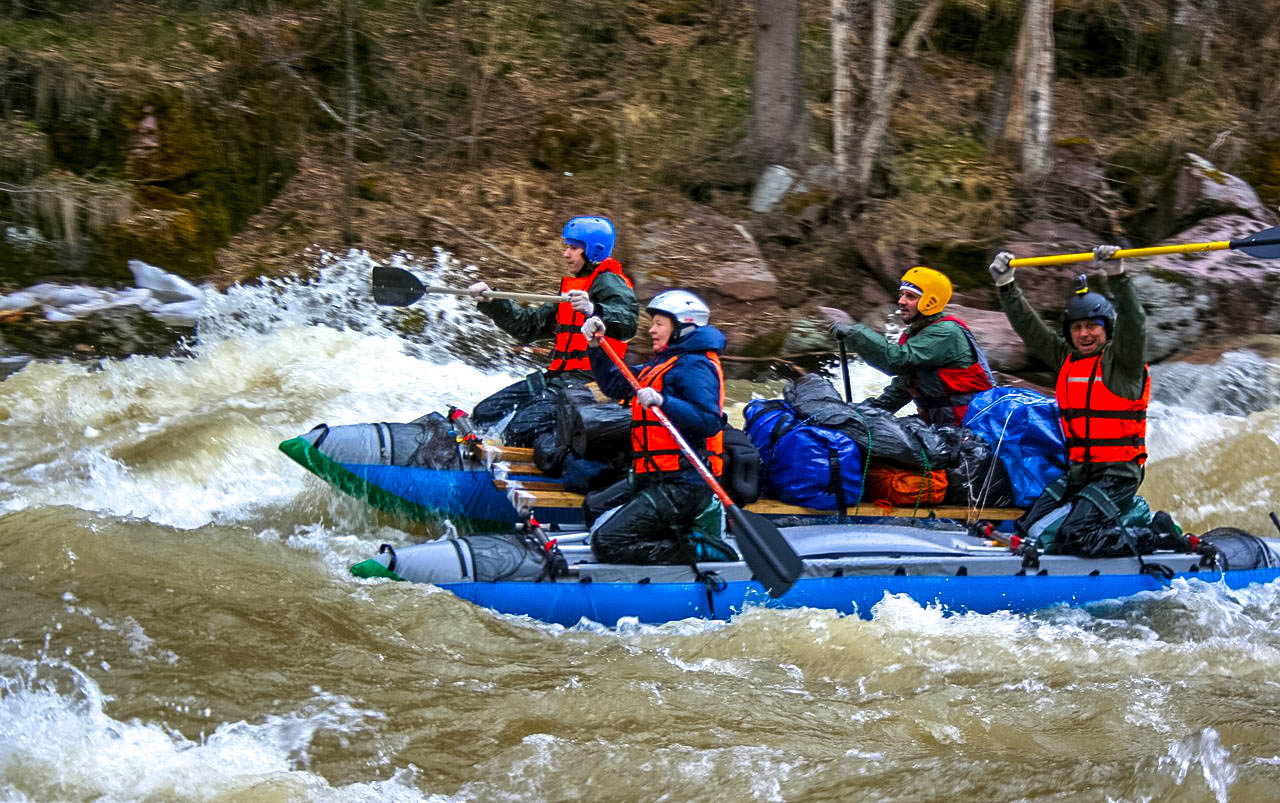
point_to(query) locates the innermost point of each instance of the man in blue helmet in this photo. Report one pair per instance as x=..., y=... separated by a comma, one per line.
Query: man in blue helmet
x=596, y=286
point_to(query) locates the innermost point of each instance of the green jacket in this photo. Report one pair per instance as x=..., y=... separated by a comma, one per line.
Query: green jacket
x=1124, y=368
x=942, y=345
x=615, y=304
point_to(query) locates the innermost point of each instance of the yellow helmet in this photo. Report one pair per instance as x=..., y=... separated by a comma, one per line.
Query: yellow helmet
x=933, y=288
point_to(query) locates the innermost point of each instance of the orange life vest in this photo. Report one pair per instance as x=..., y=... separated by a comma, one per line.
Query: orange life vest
x=1100, y=426
x=943, y=394
x=569, y=352
x=652, y=447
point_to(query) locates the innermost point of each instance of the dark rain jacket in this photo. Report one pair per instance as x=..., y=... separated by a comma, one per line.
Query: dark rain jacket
x=931, y=345
x=690, y=388
x=1124, y=370
x=615, y=304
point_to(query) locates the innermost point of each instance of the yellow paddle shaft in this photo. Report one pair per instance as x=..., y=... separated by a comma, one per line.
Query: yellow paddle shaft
x=1127, y=253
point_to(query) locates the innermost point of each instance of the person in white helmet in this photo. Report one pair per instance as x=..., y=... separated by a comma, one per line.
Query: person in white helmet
x=671, y=515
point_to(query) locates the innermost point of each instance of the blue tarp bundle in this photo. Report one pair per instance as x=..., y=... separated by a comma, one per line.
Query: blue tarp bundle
x=1022, y=428
x=804, y=464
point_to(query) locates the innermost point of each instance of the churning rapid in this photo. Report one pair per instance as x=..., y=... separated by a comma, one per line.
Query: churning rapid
x=179, y=622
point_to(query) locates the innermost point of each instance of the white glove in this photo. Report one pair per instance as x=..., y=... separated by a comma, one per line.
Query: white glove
x=648, y=397
x=478, y=290
x=1000, y=270
x=593, y=330
x=581, y=302
x=1102, y=258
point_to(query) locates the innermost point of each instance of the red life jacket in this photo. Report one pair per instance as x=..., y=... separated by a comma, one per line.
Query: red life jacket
x=943, y=394
x=652, y=447
x=1100, y=426
x=569, y=352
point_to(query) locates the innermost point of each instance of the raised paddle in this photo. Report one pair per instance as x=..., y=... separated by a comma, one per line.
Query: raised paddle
x=775, y=564
x=396, y=287
x=1263, y=245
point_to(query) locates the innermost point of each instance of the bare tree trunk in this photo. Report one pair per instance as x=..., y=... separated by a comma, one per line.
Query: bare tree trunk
x=880, y=106
x=1015, y=117
x=779, y=97
x=1208, y=24
x=841, y=93
x=1001, y=100
x=882, y=12
x=349, y=149
x=1037, y=157
x=1177, y=38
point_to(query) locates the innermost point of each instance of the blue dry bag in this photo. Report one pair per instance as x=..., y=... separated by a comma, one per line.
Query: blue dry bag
x=1022, y=428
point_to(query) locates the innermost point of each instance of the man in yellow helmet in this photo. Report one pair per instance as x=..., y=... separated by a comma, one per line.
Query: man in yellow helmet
x=936, y=361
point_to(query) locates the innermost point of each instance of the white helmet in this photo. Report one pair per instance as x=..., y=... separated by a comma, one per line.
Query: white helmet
x=683, y=306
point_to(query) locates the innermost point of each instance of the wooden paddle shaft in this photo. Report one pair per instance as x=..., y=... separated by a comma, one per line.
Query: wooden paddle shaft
x=533, y=298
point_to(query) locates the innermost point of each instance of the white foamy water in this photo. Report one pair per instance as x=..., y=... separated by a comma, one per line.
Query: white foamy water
x=189, y=441
x=61, y=744
x=178, y=622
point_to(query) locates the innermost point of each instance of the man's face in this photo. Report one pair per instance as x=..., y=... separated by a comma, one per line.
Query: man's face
x=575, y=256
x=661, y=330
x=1088, y=336
x=908, y=305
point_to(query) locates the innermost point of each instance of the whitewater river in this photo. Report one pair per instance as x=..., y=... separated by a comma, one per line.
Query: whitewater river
x=177, y=621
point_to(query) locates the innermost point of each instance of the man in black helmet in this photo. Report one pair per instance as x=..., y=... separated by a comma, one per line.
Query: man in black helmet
x=1102, y=390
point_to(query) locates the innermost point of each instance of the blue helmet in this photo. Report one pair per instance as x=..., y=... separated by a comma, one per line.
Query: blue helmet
x=594, y=235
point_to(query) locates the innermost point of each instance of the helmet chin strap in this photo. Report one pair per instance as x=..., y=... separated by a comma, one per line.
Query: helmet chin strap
x=683, y=331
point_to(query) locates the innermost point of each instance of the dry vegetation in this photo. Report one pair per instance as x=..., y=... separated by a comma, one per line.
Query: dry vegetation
x=506, y=117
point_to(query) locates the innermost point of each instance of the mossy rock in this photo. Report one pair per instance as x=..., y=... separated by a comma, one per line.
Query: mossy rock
x=964, y=263
x=370, y=189
x=768, y=344
x=564, y=144
x=24, y=152
x=1262, y=170
x=979, y=32
x=680, y=12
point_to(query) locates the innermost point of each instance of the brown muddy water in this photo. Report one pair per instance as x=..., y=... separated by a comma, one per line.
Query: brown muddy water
x=177, y=623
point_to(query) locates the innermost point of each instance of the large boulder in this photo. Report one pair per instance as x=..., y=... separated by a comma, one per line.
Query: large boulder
x=717, y=258
x=1005, y=350
x=1048, y=287
x=1202, y=191
x=1193, y=297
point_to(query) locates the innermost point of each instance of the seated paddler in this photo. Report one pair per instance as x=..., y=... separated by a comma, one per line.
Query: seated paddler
x=1103, y=389
x=668, y=514
x=936, y=361
x=597, y=287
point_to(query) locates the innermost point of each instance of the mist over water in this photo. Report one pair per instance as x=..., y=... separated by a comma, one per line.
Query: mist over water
x=179, y=623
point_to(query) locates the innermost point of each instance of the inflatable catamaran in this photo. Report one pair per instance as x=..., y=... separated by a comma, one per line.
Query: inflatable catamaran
x=846, y=567
x=812, y=468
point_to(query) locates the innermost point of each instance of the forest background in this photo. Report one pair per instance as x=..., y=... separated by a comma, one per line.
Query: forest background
x=226, y=140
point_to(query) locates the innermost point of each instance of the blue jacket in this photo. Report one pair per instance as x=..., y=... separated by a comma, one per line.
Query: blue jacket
x=690, y=389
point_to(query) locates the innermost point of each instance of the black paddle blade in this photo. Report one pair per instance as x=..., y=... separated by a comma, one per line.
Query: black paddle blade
x=775, y=564
x=394, y=287
x=1263, y=245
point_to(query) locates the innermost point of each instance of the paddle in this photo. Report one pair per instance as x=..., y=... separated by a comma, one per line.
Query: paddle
x=775, y=564
x=844, y=371
x=395, y=287
x=839, y=317
x=1263, y=245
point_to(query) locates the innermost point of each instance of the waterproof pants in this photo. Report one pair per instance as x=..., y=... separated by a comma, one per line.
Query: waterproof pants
x=651, y=526
x=1092, y=527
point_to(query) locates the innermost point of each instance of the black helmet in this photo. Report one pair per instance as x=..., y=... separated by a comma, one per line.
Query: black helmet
x=1085, y=304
